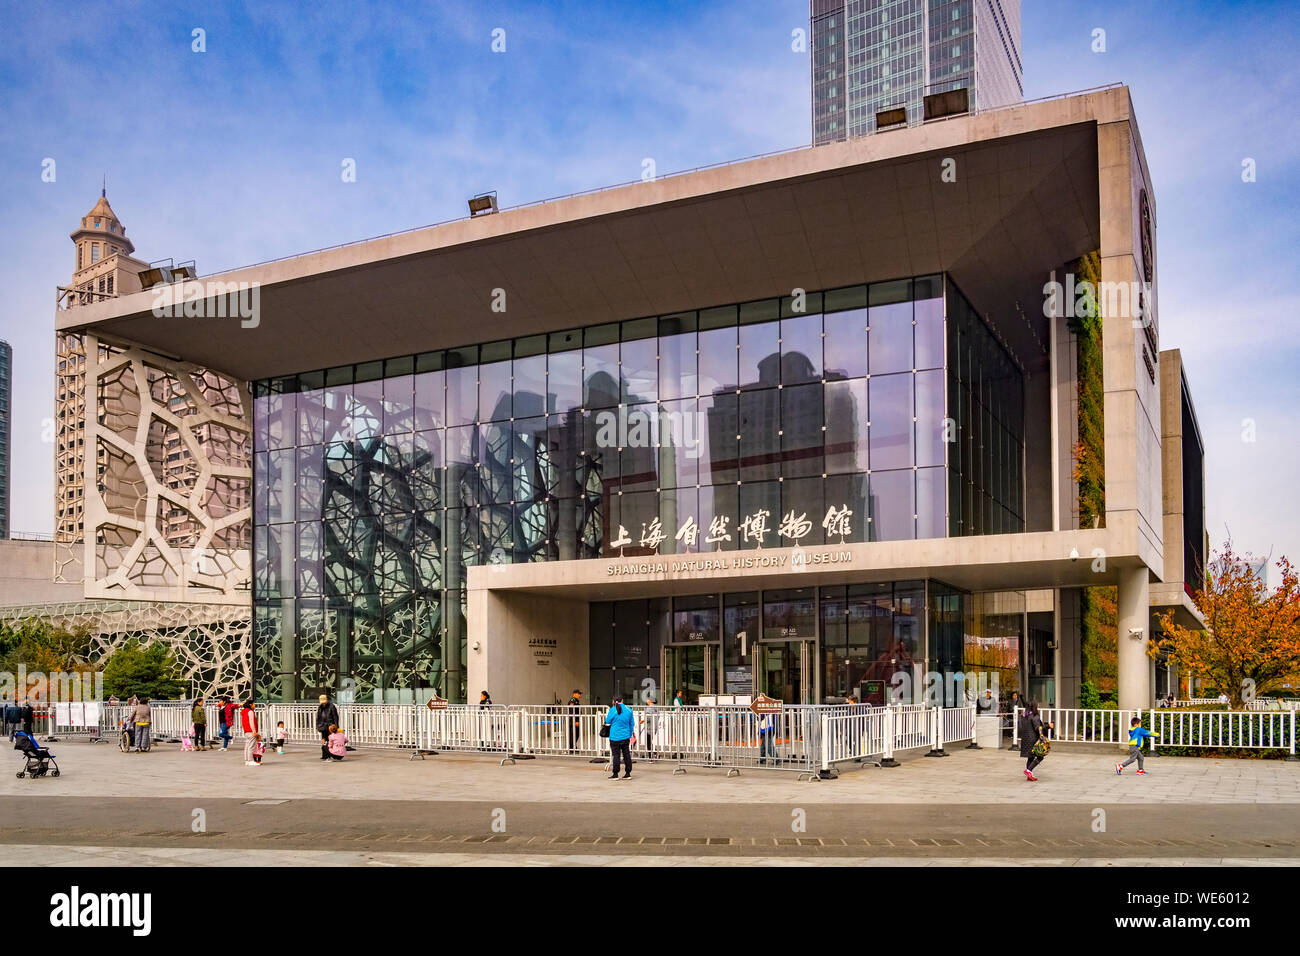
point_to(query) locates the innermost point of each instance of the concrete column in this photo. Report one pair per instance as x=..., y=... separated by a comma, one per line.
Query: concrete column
x=1068, y=633
x=1134, y=666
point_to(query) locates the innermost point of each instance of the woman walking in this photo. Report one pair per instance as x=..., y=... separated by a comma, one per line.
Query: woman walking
x=1033, y=739
x=622, y=734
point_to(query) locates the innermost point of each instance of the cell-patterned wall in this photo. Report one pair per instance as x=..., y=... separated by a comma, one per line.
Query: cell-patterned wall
x=154, y=476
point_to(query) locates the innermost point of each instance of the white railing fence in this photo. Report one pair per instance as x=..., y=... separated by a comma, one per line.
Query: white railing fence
x=1220, y=729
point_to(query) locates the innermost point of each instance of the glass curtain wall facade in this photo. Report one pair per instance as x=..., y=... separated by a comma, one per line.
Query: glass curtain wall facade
x=763, y=424
x=6, y=419
x=986, y=399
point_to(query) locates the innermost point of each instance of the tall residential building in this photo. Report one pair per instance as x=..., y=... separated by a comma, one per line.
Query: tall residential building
x=6, y=416
x=875, y=55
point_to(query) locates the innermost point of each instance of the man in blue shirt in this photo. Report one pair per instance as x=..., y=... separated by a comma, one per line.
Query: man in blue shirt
x=622, y=733
x=1136, y=735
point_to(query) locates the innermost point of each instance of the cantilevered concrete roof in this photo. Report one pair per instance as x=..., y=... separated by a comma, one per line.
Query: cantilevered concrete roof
x=1024, y=201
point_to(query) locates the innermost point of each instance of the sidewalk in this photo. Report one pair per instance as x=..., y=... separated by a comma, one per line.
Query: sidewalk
x=983, y=777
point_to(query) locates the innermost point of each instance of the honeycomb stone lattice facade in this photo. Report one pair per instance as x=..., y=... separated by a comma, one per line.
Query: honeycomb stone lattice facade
x=154, y=475
x=211, y=643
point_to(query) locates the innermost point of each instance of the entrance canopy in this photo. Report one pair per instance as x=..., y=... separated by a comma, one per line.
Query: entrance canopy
x=1003, y=562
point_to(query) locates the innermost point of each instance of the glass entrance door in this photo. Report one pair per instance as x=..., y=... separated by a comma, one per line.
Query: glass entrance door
x=691, y=669
x=784, y=670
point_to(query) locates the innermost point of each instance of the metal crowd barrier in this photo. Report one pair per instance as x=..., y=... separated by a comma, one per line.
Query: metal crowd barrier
x=803, y=739
x=465, y=727
x=882, y=731
x=958, y=724
x=730, y=737
x=70, y=720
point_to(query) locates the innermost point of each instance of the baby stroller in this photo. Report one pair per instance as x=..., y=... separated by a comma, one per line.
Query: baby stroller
x=38, y=758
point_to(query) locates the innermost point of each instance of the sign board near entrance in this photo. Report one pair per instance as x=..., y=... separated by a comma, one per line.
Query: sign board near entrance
x=436, y=703
x=766, y=705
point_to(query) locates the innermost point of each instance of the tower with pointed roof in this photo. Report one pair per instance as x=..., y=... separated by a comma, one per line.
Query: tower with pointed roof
x=105, y=264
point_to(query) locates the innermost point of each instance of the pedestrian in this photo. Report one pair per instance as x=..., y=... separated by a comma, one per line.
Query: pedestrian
x=622, y=734
x=1016, y=702
x=1136, y=735
x=327, y=716
x=678, y=699
x=485, y=700
x=337, y=743
x=575, y=718
x=1034, y=744
x=28, y=717
x=766, y=739
x=279, y=737
x=248, y=718
x=142, y=717
x=225, y=711
x=1223, y=698
x=200, y=718
x=253, y=750
x=12, y=717
x=650, y=723
x=986, y=705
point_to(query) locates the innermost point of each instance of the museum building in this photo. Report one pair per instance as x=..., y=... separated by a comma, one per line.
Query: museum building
x=792, y=425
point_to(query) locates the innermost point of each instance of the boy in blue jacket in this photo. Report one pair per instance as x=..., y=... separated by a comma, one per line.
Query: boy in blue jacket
x=1137, y=734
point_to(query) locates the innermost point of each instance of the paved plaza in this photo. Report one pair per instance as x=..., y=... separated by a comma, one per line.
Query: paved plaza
x=380, y=808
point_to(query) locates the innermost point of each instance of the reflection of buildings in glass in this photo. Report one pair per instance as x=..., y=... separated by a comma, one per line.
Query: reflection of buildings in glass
x=772, y=428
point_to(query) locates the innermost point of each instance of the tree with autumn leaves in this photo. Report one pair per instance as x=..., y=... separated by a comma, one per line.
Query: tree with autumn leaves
x=1251, y=642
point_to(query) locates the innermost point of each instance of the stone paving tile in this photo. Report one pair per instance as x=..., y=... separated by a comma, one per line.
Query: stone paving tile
x=978, y=777
x=30, y=855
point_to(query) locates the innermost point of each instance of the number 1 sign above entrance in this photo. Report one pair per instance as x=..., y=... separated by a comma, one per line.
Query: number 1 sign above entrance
x=754, y=527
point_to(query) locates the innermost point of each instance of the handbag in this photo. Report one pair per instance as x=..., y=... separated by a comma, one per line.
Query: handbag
x=604, y=730
x=1040, y=747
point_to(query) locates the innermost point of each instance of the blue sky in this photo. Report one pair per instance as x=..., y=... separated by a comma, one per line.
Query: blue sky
x=233, y=156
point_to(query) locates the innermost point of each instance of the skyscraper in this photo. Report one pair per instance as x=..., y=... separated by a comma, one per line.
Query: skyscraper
x=874, y=55
x=6, y=415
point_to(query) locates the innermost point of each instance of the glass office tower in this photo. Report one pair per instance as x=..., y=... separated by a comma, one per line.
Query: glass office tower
x=849, y=415
x=874, y=55
x=6, y=428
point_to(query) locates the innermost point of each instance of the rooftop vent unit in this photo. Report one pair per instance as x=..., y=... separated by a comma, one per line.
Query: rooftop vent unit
x=163, y=272
x=951, y=103
x=886, y=119
x=484, y=204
